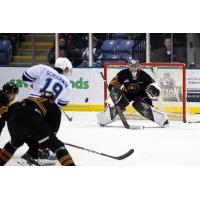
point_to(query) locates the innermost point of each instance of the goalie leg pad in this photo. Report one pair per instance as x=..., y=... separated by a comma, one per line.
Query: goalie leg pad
x=150, y=113
x=108, y=116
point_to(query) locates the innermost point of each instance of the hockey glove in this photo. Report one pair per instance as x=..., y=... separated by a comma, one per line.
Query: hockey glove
x=153, y=90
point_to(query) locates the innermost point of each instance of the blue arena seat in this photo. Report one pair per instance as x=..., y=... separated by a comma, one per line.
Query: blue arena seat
x=112, y=57
x=5, y=45
x=4, y=58
x=5, y=51
x=109, y=46
x=125, y=46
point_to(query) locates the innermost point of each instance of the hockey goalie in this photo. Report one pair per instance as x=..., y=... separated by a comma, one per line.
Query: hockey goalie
x=133, y=85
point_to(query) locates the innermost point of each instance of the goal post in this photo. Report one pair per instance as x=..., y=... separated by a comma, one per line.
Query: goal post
x=171, y=77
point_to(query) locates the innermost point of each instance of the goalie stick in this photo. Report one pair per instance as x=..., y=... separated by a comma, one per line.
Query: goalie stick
x=121, y=157
x=119, y=111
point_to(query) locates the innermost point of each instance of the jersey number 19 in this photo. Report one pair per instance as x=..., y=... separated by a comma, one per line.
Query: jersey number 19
x=56, y=88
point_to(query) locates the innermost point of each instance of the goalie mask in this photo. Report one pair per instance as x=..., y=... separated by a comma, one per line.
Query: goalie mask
x=134, y=68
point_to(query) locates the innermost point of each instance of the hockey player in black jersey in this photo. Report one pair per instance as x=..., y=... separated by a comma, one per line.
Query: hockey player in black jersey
x=37, y=154
x=7, y=96
x=28, y=120
x=136, y=86
x=7, y=104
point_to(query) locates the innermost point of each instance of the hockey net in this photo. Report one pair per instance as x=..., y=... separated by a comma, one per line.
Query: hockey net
x=171, y=77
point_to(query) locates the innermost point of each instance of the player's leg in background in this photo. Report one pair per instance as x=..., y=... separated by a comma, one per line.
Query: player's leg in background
x=17, y=139
x=60, y=150
x=36, y=155
x=30, y=157
x=53, y=118
x=47, y=139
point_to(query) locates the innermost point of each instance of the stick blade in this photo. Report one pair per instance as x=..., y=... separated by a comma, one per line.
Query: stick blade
x=127, y=154
x=136, y=127
x=194, y=122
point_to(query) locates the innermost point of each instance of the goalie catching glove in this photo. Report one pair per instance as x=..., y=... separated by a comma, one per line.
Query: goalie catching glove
x=153, y=90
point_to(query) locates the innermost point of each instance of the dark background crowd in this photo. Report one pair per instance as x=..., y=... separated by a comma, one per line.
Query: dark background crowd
x=28, y=49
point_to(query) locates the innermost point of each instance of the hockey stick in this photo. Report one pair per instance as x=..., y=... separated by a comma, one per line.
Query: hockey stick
x=194, y=122
x=121, y=157
x=119, y=111
x=140, y=127
x=66, y=115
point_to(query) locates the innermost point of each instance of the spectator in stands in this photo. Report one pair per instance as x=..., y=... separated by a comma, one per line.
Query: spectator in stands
x=6, y=49
x=66, y=49
x=168, y=57
x=14, y=41
x=167, y=53
x=62, y=51
x=76, y=43
x=100, y=38
x=13, y=38
x=97, y=55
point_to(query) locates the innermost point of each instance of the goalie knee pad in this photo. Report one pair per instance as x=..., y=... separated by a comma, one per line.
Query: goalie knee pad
x=108, y=116
x=150, y=113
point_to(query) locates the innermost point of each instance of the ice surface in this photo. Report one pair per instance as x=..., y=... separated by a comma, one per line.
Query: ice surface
x=178, y=144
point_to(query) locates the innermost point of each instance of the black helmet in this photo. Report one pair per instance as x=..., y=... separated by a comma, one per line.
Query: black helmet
x=10, y=88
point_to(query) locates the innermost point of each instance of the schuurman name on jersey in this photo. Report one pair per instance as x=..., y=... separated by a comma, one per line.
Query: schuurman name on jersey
x=51, y=74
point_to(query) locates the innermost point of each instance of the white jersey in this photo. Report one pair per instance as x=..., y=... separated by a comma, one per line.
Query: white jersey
x=45, y=78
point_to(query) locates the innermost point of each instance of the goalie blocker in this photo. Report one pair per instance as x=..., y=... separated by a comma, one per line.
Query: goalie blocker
x=110, y=114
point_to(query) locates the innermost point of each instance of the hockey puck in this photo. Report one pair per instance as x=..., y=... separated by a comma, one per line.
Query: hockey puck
x=86, y=100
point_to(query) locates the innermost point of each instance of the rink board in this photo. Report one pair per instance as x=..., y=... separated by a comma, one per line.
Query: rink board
x=87, y=88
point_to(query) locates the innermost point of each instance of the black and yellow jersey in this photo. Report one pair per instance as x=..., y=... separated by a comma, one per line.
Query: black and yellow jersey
x=130, y=86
